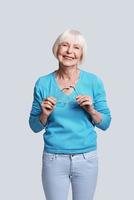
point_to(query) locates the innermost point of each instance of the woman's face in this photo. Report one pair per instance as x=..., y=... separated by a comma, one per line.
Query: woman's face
x=69, y=52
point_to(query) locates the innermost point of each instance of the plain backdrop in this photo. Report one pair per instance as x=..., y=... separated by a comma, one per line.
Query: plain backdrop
x=28, y=30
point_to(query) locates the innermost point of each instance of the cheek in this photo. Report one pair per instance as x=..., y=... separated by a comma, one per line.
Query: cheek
x=59, y=54
x=61, y=50
x=79, y=55
x=59, y=57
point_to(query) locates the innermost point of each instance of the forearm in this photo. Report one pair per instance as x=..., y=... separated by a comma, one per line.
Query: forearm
x=35, y=124
x=43, y=118
x=101, y=120
x=95, y=115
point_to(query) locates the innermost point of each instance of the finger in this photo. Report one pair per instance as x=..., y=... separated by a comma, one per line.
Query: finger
x=86, y=103
x=78, y=99
x=84, y=98
x=79, y=96
x=52, y=100
x=46, y=104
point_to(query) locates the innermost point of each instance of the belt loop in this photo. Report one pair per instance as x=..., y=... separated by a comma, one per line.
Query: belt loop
x=70, y=156
x=84, y=155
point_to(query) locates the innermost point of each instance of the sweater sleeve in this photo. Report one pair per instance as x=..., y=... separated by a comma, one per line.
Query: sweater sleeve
x=34, y=121
x=100, y=104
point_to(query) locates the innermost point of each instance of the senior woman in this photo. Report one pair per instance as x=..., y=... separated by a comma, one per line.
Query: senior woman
x=68, y=104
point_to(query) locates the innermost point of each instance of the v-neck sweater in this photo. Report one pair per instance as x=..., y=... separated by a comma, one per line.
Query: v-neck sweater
x=69, y=128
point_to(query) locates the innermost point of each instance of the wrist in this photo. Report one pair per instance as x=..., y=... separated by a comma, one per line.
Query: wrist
x=91, y=110
x=43, y=118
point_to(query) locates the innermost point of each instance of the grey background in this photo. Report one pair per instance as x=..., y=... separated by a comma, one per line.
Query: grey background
x=28, y=30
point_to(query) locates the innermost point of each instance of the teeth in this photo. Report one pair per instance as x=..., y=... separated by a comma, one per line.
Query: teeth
x=68, y=57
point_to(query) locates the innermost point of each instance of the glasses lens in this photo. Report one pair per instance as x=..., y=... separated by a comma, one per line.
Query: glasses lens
x=69, y=100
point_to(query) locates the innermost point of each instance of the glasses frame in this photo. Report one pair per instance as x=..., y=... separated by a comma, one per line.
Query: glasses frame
x=62, y=103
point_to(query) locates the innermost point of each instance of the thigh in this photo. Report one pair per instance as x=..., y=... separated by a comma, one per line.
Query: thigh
x=55, y=177
x=84, y=176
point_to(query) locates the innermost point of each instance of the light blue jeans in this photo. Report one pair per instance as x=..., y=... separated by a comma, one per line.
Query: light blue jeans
x=59, y=170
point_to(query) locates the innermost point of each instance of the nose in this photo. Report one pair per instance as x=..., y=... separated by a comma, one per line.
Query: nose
x=70, y=49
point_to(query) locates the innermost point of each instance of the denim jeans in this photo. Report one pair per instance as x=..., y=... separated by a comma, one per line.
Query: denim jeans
x=59, y=170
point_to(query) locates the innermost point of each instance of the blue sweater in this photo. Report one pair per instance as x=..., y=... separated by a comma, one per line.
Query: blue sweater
x=69, y=128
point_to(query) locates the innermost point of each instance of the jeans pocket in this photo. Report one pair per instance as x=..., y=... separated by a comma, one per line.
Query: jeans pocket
x=48, y=156
x=91, y=156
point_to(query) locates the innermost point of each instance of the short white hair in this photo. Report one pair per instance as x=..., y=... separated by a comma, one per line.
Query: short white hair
x=79, y=39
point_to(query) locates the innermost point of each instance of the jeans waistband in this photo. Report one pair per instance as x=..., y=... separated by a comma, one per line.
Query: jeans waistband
x=85, y=154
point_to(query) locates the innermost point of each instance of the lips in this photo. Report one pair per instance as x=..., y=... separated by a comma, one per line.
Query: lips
x=68, y=57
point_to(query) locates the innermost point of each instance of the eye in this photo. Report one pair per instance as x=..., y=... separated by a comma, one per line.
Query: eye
x=64, y=45
x=77, y=47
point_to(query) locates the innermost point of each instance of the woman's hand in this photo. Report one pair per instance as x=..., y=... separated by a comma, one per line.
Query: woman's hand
x=47, y=105
x=85, y=102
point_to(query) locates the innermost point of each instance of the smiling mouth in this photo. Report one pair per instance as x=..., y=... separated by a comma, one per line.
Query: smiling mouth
x=69, y=58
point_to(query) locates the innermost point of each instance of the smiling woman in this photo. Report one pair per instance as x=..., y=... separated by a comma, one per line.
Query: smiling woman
x=68, y=104
x=71, y=36
x=69, y=53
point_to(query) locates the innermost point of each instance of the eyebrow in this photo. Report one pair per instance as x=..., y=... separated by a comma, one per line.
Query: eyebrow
x=69, y=43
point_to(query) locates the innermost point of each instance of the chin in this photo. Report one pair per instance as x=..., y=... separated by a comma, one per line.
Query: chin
x=69, y=64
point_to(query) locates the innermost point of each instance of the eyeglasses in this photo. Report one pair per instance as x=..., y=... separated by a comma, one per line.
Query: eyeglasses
x=65, y=100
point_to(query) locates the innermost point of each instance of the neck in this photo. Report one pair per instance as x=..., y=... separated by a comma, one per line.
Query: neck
x=68, y=76
x=67, y=73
